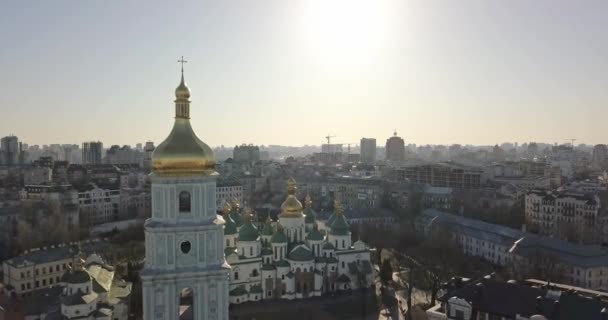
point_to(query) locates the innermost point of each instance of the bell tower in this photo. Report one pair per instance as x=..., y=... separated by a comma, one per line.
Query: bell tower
x=185, y=274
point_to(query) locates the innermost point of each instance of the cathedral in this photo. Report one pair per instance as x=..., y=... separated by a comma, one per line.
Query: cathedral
x=198, y=262
x=292, y=258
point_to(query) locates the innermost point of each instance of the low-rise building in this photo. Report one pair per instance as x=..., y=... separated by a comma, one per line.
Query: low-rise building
x=38, y=268
x=522, y=252
x=228, y=190
x=531, y=299
x=99, y=205
x=567, y=215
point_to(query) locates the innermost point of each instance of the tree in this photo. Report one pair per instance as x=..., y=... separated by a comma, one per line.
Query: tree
x=407, y=278
x=386, y=272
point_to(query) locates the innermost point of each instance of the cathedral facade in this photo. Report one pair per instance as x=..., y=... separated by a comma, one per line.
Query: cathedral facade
x=198, y=262
x=292, y=258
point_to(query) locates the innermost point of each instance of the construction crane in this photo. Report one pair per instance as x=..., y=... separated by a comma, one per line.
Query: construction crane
x=571, y=142
x=348, y=144
x=329, y=139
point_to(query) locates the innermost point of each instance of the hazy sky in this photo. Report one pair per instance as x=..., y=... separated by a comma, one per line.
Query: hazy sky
x=289, y=72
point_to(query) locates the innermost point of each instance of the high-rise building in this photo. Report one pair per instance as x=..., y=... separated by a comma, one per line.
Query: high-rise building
x=185, y=273
x=246, y=153
x=9, y=147
x=600, y=156
x=368, y=150
x=92, y=152
x=395, y=148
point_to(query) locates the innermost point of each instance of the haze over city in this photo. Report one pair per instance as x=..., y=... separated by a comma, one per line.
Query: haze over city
x=289, y=72
x=304, y=159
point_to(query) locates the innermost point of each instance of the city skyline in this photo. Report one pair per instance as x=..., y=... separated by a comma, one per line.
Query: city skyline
x=304, y=69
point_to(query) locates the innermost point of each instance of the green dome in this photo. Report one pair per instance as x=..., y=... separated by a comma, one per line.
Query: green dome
x=279, y=236
x=235, y=214
x=331, y=219
x=340, y=226
x=229, y=226
x=248, y=232
x=315, y=234
x=328, y=246
x=268, y=230
x=311, y=215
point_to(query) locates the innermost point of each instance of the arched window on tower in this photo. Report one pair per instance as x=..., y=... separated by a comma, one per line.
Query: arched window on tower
x=184, y=201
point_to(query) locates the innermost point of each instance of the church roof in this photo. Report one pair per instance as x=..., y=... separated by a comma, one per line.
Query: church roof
x=301, y=253
x=282, y=263
x=268, y=267
x=78, y=276
x=311, y=215
x=238, y=291
x=256, y=288
x=235, y=214
x=279, y=236
x=268, y=230
x=79, y=298
x=340, y=226
x=248, y=232
x=315, y=234
x=229, y=226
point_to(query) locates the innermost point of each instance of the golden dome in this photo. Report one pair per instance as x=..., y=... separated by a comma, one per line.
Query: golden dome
x=291, y=207
x=182, y=92
x=183, y=153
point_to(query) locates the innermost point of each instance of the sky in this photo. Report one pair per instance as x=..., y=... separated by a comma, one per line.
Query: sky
x=291, y=72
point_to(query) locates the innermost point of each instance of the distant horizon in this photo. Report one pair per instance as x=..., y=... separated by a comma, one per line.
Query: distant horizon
x=133, y=145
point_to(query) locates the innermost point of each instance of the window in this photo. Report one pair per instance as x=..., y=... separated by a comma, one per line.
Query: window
x=184, y=201
x=227, y=242
x=255, y=272
x=185, y=247
x=459, y=314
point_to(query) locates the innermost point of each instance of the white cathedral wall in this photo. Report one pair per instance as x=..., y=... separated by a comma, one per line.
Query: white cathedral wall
x=340, y=242
x=78, y=310
x=249, y=249
x=246, y=275
x=294, y=228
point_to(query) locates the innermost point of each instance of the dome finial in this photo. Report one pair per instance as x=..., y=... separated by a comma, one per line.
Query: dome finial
x=308, y=201
x=291, y=186
x=182, y=92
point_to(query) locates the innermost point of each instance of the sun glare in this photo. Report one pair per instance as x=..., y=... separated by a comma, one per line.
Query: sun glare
x=345, y=32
